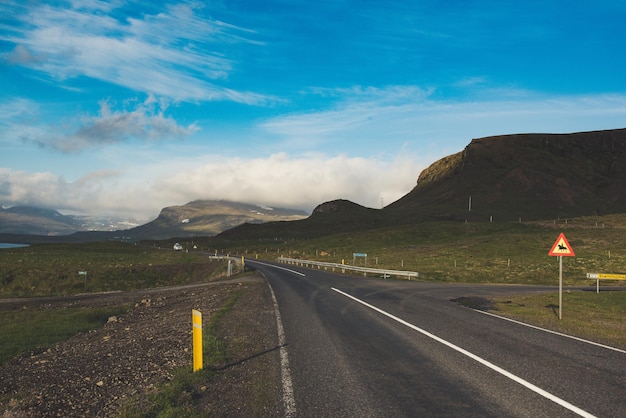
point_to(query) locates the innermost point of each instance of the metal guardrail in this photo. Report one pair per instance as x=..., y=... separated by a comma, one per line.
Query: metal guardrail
x=344, y=267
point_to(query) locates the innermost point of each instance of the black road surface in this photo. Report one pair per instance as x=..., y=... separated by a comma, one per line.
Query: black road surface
x=384, y=348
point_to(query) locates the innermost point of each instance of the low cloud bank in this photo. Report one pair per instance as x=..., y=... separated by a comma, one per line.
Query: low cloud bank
x=278, y=180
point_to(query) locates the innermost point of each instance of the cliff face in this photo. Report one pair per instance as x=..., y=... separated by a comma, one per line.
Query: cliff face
x=532, y=176
x=440, y=170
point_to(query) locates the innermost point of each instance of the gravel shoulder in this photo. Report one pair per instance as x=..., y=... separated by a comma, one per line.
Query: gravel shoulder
x=107, y=371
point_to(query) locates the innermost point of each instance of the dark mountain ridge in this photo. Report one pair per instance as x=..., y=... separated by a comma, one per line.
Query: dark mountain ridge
x=528, y=176
x=328, y=218
x=500, y=178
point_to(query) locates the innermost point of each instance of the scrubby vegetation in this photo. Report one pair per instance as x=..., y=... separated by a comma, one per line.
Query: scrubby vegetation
x=53, y=269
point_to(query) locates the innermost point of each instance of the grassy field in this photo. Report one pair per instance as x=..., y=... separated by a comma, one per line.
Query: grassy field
x=52, y=269
x=468, y=252
x=596, y=317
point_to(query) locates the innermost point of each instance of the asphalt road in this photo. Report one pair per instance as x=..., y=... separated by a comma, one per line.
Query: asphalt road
x=382, y=348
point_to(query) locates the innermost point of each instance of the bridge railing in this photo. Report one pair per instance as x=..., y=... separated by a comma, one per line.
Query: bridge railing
x=343, y=267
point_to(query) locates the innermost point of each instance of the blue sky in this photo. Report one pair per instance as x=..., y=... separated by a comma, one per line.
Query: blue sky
x=125, y=107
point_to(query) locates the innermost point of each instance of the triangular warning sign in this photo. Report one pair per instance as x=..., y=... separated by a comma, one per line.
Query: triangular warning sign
x=562, y=247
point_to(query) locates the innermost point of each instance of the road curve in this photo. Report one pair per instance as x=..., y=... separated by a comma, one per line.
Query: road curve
x=370, y=348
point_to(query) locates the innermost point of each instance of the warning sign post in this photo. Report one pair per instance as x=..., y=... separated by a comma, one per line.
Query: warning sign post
x=561, y=248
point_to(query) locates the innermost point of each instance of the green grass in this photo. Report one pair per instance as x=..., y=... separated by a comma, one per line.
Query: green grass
x=600, y=317
x=52, y=269
x=472, y=252
x=25, y=330
x=214, y=350
x=173, y=399
x=31, y=329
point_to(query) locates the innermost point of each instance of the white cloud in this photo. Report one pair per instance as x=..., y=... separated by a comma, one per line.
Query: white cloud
x=301, y=182
x=146, y=121
x=19, y=120
x=22, y=56
x=378, y=119
x=17, y=109
x=276, y=181
x=171, y=53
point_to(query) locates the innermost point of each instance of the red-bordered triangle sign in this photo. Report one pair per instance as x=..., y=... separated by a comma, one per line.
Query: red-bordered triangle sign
x=562, y=247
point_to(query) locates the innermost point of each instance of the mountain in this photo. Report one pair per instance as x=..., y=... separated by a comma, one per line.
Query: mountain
x=527, y=176
x=200, y=217
x=42, y=221
x=500, y=178
x=208, y=218
x=328, y=218
x=33, y=220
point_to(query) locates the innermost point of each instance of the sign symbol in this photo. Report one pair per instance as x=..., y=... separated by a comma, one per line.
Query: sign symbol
x=561, y=247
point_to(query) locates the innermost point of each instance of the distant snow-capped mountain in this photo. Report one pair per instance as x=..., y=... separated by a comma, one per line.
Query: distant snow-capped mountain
x=43, y=221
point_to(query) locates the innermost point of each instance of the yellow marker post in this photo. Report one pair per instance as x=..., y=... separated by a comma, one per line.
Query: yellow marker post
x=196, y=321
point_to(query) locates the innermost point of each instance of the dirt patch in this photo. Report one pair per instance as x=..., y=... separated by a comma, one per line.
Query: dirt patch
x=108, y=370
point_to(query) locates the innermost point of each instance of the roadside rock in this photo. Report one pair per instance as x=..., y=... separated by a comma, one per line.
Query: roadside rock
x=101, y=372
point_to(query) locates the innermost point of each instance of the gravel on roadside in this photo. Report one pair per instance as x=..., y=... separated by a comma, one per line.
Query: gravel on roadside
x=102, y=372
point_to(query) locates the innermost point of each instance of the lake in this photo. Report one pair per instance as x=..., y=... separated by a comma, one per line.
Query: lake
x=6, y=245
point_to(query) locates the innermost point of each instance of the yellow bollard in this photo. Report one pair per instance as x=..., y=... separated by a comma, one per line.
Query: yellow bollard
x=196, y=321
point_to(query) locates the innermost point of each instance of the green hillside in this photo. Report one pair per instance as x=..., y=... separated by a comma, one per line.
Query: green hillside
x=492, y=252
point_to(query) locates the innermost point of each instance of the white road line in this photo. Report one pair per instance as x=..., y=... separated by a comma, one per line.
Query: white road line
x=482, y=361
x=608, y=347
x=282, y=268
x=289, y=400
